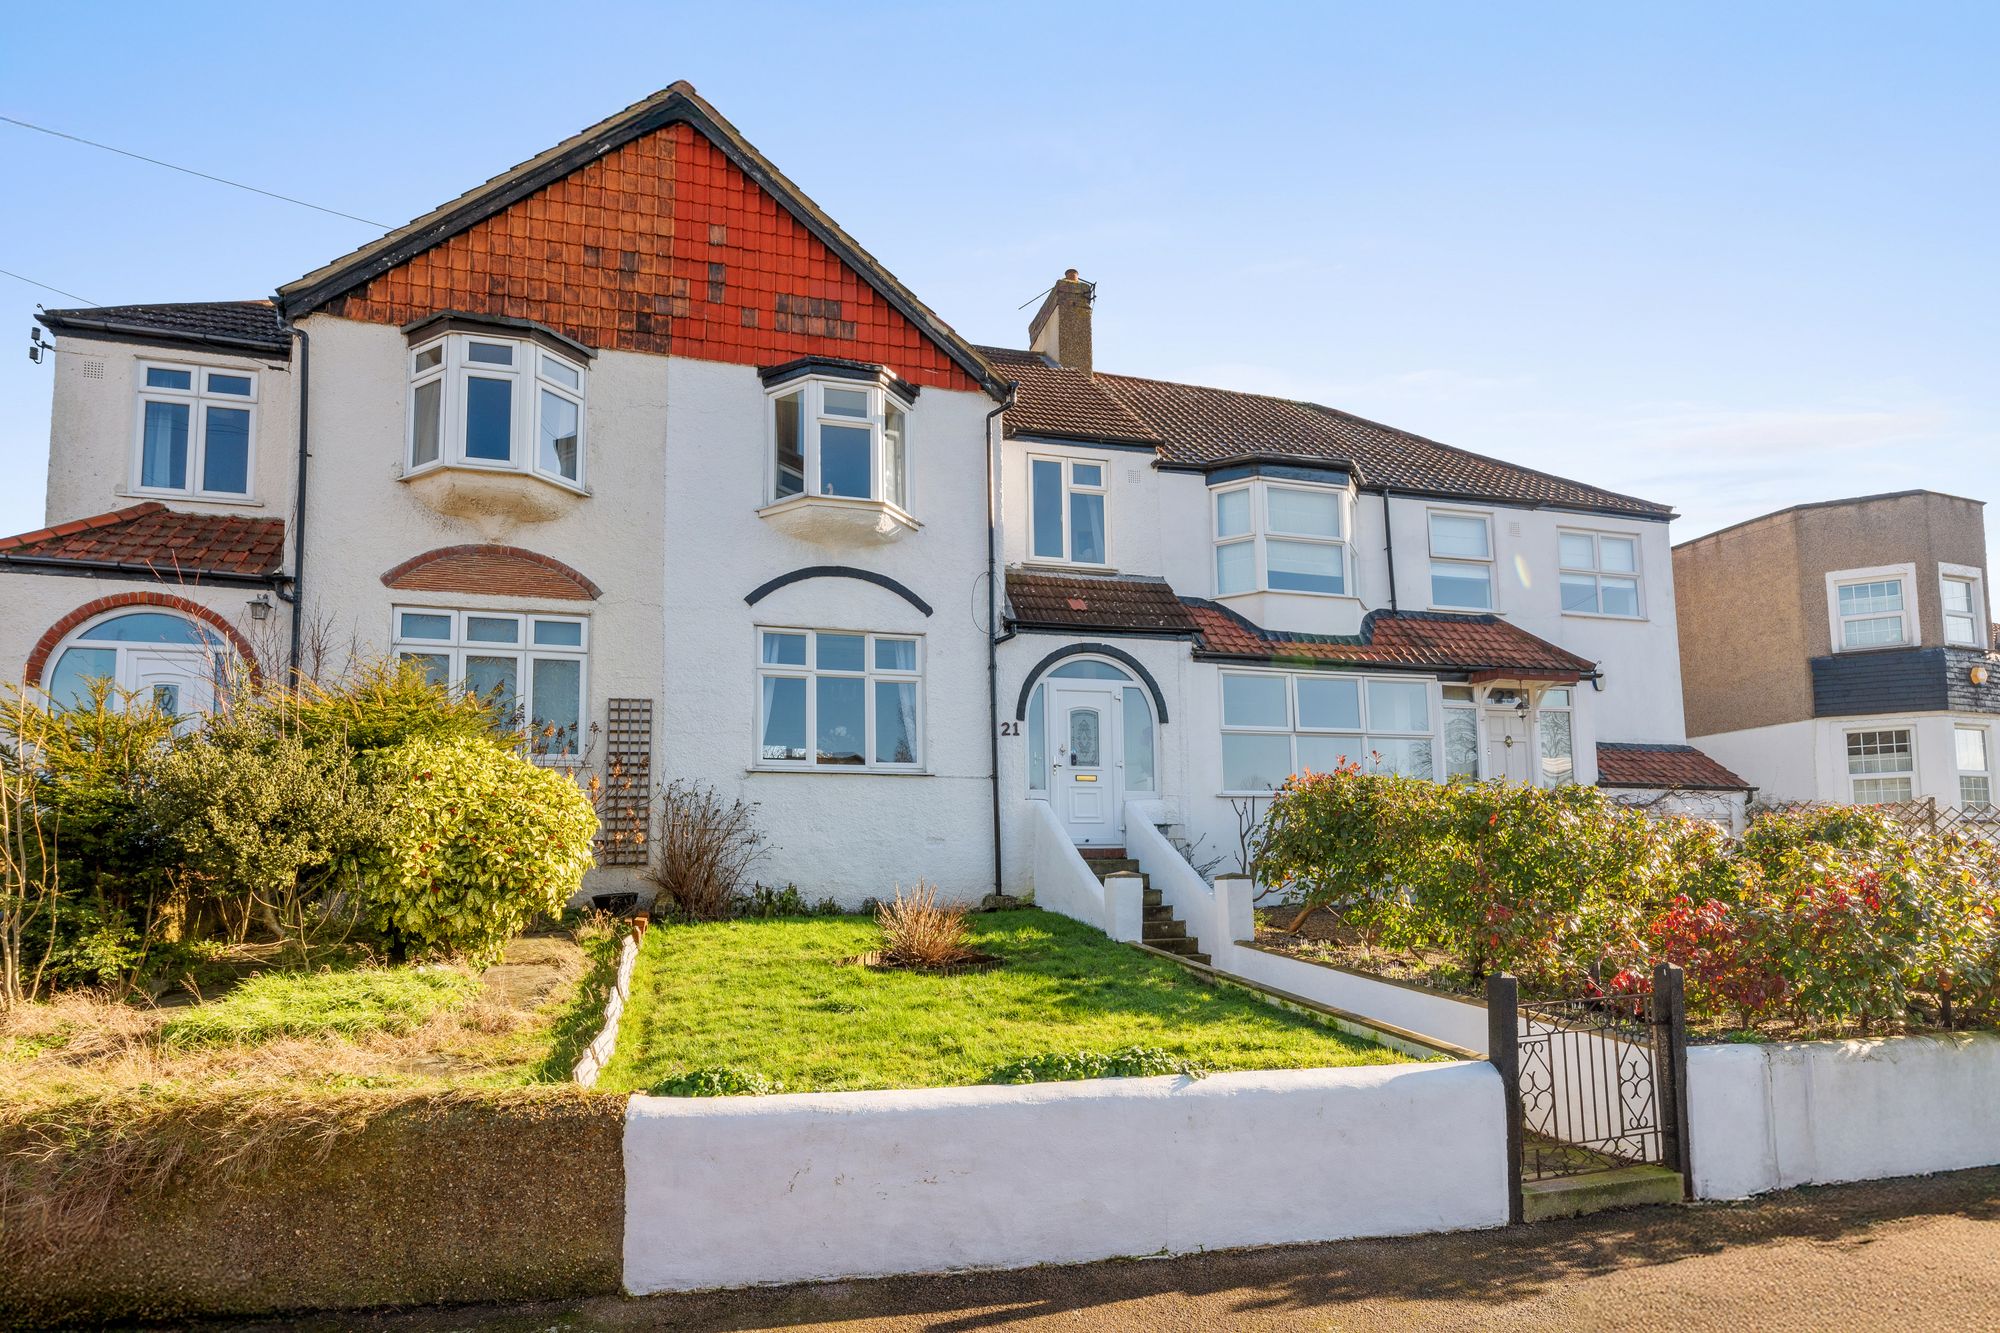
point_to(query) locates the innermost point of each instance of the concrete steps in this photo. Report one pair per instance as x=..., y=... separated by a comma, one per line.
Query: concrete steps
x=1158, y=926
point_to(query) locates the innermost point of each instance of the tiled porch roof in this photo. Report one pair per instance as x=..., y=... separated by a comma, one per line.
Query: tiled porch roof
x=1643, y=764
x=152, y=540
x=1417, y=640
x=1041, y=599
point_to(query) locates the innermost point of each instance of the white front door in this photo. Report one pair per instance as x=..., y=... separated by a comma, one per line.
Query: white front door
x=1508, y=753
x=179, y=683
x=1085, y=748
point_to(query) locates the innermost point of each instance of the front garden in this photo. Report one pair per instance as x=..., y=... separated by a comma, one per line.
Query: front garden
x=1815, y=922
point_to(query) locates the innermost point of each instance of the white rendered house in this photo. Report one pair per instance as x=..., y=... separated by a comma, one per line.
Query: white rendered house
x=636, y=440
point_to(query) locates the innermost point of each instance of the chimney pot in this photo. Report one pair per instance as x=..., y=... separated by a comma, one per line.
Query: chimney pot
x=1061, y=328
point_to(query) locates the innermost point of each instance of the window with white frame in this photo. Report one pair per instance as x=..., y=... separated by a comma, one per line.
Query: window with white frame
x=1599, y=573
x=1461, y=731
x=196, y=430
x=1558, y=737
x=843, y=438
x=1280, y=538
x=1066, y=519
x=492, y=402
x=531, y=668
x=834, y=699
x=1964, y=613
x=1871, y=611
x=1975, y=766
x=1461, y=561
x=1275, y=725
x=1881, y=766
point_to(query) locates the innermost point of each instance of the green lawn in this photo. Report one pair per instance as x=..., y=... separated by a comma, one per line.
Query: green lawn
x=772, y=999
x=314, y=1004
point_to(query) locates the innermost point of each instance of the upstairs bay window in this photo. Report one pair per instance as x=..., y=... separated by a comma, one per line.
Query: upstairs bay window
x=1600, y=574
x=1274, y=538
x=1066, y=511
x=501, y=403
x=529, y=667
x=841, y=439
x=196, y=427
x=1275, y=725
x=1461, y=549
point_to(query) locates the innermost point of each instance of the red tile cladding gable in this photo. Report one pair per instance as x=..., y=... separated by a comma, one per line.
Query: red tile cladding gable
x=662, y=245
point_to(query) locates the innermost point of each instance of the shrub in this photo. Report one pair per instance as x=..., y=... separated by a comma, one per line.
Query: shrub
x=716, y=1081
x=380, y=705
x=764, y=902
x=919, y=931
x=1125, y=1062
x=478, y=843
x=704, y=854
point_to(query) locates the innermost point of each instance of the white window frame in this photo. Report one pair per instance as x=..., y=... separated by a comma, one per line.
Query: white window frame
x=1984, y=775
x=812, y=416
x=528, y=378
x=1294, y=730
x=1490, y=564
x=1905, y=574
x=198, y=398
x=1598, y=573
x=811, y=672
x=1071, y=488
x=525, y=652
x=1854, y=779
x=1262, y=531
x=1975, y=584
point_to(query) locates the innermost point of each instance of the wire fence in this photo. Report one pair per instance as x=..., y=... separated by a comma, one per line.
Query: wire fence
x=1927, y=814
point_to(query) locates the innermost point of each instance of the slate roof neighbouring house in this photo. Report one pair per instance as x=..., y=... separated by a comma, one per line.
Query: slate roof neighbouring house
x=1643, y=764
x=1197, y=427
x=1423, y=640
x=253, y=325
x=151, y=539
x=1091, y=601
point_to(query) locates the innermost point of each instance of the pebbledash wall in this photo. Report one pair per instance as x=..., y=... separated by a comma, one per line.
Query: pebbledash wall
x=733, y=1191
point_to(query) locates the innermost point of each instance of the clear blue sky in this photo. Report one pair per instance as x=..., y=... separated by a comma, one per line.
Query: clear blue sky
x=1728, y=256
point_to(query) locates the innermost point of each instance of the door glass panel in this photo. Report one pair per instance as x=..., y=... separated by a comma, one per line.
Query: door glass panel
x=1038, y=742
x=1461, y=743
x=69, y=683
x=1138, y=740
x=1089, y=671
x=1084, y=747
x=1557, y=763
x=842, y=724
x=167, y=699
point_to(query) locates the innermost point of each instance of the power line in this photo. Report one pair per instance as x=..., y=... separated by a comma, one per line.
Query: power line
x=22, y=277
x=220, y=180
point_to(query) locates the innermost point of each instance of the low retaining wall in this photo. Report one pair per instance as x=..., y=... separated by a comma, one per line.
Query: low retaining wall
x=598, y=1054
x=1064, y=882
x=745, y=1190
x=1768, y=1117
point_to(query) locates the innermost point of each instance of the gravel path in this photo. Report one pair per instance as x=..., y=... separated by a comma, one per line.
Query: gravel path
x=1907, y=1254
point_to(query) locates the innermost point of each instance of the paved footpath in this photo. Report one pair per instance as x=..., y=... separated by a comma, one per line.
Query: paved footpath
x=1906, y=1255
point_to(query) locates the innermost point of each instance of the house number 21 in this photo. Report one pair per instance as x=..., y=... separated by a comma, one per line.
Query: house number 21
x=1010, y=728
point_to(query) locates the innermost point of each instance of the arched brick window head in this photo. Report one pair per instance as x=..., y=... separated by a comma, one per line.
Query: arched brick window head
x=38, y=660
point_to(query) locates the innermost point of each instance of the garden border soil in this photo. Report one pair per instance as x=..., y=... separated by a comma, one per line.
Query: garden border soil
x=463, y=1196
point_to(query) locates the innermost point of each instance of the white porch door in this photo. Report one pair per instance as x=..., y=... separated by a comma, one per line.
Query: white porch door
x=1086, y=770
x=1508, y=753
x=178, y=683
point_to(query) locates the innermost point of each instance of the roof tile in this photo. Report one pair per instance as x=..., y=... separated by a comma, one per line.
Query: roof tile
x=1092, y=601
x=1420, y=640
x=153, y=539
x=256, y=323
x=1638, y=764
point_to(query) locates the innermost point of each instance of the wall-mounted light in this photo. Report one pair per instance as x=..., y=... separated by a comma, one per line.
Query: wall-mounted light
x=1979, y=675
x=260, y=606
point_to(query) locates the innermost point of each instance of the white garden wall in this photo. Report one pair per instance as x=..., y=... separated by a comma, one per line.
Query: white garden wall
x=733, y=1191
x=1064, y=882
x=1814, y=1113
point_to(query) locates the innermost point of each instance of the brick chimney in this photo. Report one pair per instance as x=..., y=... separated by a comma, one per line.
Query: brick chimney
x=1061, y=328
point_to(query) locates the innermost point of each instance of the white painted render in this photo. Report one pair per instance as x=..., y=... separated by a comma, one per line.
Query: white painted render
x=1807, y=760
x=1768, y=1117
x=94, y=430
x=1065, y=883
x=737, y=1190
x=31, y=603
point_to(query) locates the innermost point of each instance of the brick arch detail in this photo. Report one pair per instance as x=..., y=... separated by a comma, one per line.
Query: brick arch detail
x=492, y=570
x=56, y=633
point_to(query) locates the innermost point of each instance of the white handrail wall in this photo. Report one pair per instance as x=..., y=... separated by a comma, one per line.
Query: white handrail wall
x=1065, y=883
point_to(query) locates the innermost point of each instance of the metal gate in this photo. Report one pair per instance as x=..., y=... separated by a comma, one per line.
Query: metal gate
x=1592, y=1084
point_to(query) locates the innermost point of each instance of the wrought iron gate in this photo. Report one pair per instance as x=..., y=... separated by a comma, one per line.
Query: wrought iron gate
x=1592, y=1084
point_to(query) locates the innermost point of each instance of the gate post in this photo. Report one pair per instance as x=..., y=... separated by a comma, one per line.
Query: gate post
x=1503, y=1049
x=1670, y=1051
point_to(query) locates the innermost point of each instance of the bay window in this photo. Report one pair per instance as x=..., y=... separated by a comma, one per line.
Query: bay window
x=847, y=439
x=1277, y=724
x=1461, y=550
x=1599, y=573
x=1881, y=766
x=494, y=402
x=1066, y=511
x=838, y=700
x=1280, y=538
x=195, y=431
x=531, y=668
